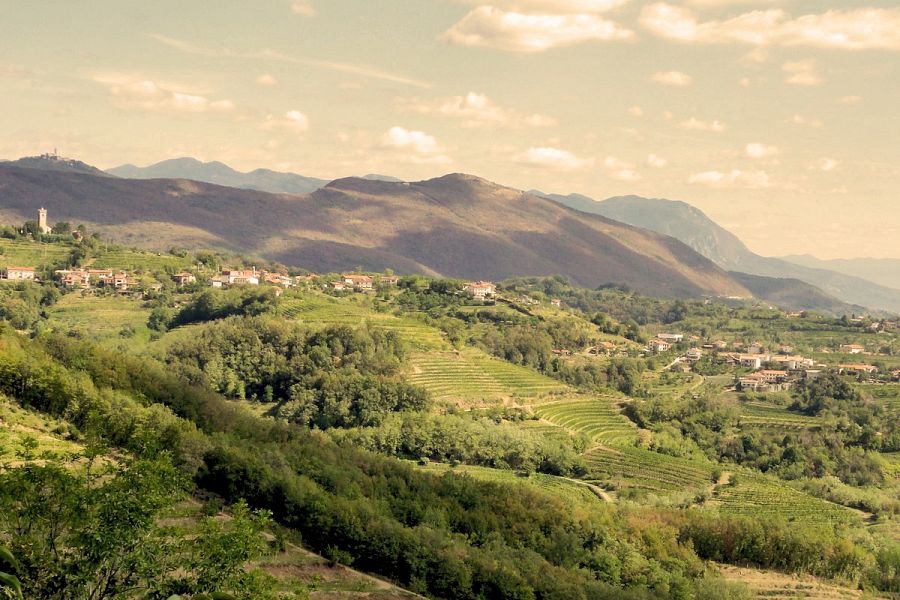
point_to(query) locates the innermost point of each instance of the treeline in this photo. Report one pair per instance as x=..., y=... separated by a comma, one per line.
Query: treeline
x=448, y=536
x=336, y=377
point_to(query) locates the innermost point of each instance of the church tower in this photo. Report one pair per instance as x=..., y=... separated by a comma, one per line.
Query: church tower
x=42, y=221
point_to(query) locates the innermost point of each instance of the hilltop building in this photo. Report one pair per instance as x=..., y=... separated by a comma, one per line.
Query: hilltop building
x=42, y=221
x=19, y=273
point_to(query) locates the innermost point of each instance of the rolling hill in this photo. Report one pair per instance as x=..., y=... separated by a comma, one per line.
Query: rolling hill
x=263, y=180
x=690, y=225
x=455, y=226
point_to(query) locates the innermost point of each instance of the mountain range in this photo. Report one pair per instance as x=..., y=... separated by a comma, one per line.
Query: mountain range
x=690, y=225
x=883, y=271
x=456, y=226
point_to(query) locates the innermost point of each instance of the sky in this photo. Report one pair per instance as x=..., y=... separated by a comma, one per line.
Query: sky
x=778, y=118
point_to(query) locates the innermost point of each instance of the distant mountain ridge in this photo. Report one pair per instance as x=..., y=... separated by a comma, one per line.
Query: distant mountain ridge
x=455, y=226
x=53, y=162
x=694, y=228
x=883, y=271
x=219, y=173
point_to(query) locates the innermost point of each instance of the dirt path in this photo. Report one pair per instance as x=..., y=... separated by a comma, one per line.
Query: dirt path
x=599, y=491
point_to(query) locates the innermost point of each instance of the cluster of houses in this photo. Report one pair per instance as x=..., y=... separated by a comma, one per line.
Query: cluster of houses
x=18, y=274
x=89, y=278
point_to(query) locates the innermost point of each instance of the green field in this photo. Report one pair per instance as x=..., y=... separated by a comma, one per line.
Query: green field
x=597, y=418
x=138, y=260
x=100, y=317
x=471, y=375
x=318, y=309
x=770, y=416
x=646, y=470
x=28, y=253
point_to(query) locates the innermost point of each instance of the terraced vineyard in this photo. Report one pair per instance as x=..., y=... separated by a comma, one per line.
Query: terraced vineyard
x=644, y=469
x=780, y=586
x=324, y=311
x=598, y=418
x=761, y=414
x=473, y=375
x=135, y=260
x=101, y=317
x=28, y=253
x=763, y=497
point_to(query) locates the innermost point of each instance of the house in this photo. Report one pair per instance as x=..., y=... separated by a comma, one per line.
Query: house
x=339, y=286
x=19, y=273
x=218, y=282
x=772, y=376
x=358, y=282
x=793, y=363
x=852, y=348
x=388, y=280
x=184, y=278
x=764, y=381
x=241, y=277
x=556, y=302
x=693, y=355
x=74, y=279
x=658, y=345
x=896, y=375
x=752, y=361
x=857, y=368
x=720, y=344
x=605, y=348
x=673, y=338
x=480, y=290
x=561, y=352
x=119, y=281
x=278, y=279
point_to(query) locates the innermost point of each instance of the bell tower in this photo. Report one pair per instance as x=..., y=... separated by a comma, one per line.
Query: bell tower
x=42, y=220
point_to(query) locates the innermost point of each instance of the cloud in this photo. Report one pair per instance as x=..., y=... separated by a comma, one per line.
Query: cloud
x=732, y=179
x=636, y=111
x=825, y=164
x=620, y=169
x=147, y=94
x=806, y=122
x=555, y=6
x=801, y=72
x=553, y=158
x=418, y=147
x=274, y=55
x=491, y=27
x=675, y=78
x=267, y=80
x=303, y=8
x=756, y=151
x=697, y=125
x=656, y=162
x=293, y=120
x=475, y=110
x=855, y=29
x=850, y=100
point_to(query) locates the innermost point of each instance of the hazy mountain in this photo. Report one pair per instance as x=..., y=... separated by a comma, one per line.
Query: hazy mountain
x=377, y=177
x=456, y=225
x=884, y=271
x=221, y=174
x=51, y=162
x=694, y=228
x=794, y=294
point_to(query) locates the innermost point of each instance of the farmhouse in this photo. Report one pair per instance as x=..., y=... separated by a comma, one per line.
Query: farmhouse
x=278, y=279
x=74, y=279
x=184, y=278
x=19, y=273
x=857, y=368
x=243, y=277
x=693, y=355
x=659, y=345
x=852, y=348
x=480, y=290
x=556, y=302
x=673, y=338
x=605, y=348
x=389, y=280
x=358, y=282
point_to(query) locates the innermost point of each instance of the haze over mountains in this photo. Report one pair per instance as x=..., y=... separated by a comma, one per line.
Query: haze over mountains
x=456, y=225
x=694, y=228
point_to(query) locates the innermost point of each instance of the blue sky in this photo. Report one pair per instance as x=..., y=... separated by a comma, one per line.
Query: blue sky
x=776, y=117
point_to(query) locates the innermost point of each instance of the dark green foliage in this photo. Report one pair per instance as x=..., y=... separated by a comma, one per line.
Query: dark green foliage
x=212, y=304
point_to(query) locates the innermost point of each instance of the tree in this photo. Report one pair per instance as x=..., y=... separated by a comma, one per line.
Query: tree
x=62, y=228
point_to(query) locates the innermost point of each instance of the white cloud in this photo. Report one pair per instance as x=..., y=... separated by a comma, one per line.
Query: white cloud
x=475, y=110
x=825, y=164
x=656, y=162
x=850, y=100
x=553, y=158
x=292, y=120
x=732, y=179
x=267, y=80
x=620, y=169
x=806, y=122
x=625, y=175
x=756, y=151
x=491, y=27
x=801, y=72
x=695, y=124
x=854, y=29
x=147, y=94
x=303, y=8
x=555, y=6
x=418, y=147
x=675, y=78
x=636, y=111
